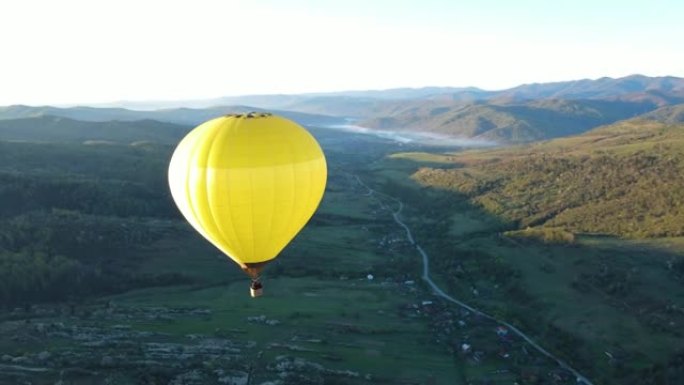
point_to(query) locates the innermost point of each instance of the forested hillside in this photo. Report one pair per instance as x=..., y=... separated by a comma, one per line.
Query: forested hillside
x=48, y=128
x=624, y=180
x=531, y=112
x=74, y=215
x=520, y=122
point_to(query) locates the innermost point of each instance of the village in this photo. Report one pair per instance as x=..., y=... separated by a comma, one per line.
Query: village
x=108, y=354
x=114, y=349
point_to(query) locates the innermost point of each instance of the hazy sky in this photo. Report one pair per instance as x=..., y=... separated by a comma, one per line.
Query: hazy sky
x=72, y=51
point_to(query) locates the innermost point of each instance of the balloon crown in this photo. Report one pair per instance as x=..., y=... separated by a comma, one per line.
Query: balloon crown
x=251, y=115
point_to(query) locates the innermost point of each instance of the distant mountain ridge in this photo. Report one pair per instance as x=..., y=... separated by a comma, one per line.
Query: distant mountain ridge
x=525, y=113
x=184, y=116
x=633, y=87
x=535, y=111
x=606, y=88
x=283, y=101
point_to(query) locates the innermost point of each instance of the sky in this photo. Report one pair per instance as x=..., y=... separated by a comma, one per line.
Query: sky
x=97, y=51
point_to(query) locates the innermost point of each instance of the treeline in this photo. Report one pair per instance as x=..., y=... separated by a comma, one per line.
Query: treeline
x=21, y=193
x=139, y=163
x=72, y=217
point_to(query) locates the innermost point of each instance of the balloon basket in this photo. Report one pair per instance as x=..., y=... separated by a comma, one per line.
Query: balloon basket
x=256, y=289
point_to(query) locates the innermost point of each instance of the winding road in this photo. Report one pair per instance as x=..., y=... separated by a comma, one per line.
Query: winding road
x=439, y=292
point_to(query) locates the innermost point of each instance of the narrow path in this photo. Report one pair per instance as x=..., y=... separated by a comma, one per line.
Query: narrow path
x=426, y=277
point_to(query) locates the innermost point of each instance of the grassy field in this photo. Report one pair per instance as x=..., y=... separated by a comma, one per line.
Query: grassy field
x=343, y=324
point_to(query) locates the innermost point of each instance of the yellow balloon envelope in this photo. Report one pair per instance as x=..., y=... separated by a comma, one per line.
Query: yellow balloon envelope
x=248, y=183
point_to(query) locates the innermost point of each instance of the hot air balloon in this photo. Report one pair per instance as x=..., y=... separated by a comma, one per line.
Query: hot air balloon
x=248, y=183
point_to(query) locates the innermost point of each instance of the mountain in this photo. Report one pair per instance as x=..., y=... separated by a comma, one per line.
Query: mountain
x=47, y=128
x=524, y=122
x=623, y=179
x=342, y=104
x=184, y=116
x=669, y=114
x=626, y=88
x=658, y=91
x=285, y=101
x=525, y=113
x=635, y=88
x=530, y=112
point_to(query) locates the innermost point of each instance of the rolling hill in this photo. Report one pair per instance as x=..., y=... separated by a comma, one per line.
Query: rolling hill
x=47, y=128
x=623, y=180
x=529, y=112
x=630, y=88
x=530, y=121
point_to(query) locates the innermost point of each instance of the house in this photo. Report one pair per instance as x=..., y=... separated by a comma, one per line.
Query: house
x=501, y=331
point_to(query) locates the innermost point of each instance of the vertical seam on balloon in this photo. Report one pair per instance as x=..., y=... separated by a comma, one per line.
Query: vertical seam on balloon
x=210, y=220
x=264, y=253
x=305, y=202
x=304, y=220
x=324, y=163
x=293, y=155
x=251, y=189
x=284, y=230
x=206, y=222
x=216, y=224
x=273, y=208
x=238, y=242
x=188, y=195
x=325, y=179
x=233, y=127
x=206, y=179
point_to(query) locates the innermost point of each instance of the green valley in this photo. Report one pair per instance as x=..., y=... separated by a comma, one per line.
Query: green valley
x=555, y=262
x=537, y=235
